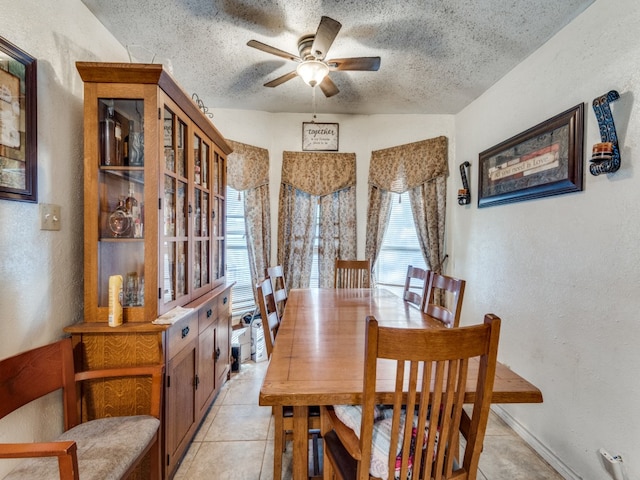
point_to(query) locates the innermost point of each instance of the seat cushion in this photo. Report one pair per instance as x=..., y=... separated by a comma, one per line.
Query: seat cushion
x=107, y=448
x=351, y=416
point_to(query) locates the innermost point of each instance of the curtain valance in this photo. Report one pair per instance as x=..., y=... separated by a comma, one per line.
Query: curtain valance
x=247, y=166
x=402, y=168
x=319, y=173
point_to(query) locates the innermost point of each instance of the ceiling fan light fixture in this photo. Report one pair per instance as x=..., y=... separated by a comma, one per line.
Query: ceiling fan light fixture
x=312, y=72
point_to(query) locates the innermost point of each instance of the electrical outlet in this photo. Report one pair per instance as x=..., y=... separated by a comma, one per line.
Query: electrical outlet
x=49, y=216
x=612, y=464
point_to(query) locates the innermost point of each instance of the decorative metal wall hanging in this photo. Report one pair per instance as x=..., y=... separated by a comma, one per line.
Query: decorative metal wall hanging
x=605, y=155
x=464, y=194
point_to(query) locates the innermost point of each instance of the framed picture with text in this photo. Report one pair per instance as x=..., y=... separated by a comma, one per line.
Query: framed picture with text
x=542, y=161
x=18, y=124
x=319, y=137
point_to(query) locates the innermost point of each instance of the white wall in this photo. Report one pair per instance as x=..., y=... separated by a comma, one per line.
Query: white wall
x=359, y=134
x=564, y=272
x=41, y=271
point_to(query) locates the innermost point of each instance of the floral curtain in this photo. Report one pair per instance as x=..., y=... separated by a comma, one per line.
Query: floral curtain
x=248, y=171
x=310, y=179
x=420, y=168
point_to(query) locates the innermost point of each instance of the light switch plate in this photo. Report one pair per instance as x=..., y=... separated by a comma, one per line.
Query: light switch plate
x=49, y=216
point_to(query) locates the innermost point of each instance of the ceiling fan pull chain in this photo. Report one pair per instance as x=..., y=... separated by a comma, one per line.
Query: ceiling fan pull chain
x=314, y=103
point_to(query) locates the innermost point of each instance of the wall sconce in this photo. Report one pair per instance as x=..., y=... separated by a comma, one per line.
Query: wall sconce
x=605, y=156
x=464, y=194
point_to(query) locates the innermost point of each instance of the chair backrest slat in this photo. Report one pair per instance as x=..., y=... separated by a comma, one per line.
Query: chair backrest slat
x=439, y=361
x=268, y=314
x=352, y=274
x=279, y=287
x=442, y=290
x=415, y=285
x=37, y=372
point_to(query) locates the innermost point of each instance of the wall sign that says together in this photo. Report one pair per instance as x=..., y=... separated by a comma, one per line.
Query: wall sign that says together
x=319, y=136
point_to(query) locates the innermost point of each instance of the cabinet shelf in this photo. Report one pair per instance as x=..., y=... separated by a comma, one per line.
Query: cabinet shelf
x=121, y=239
x=134, y=174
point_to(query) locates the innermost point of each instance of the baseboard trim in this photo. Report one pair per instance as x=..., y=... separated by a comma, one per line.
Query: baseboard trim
x=542, y=450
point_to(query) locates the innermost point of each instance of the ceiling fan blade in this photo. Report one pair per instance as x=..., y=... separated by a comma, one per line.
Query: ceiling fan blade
x=282, y=79
x=326, y=34
x=273, y=50
x=356, y=63
x=328, y=87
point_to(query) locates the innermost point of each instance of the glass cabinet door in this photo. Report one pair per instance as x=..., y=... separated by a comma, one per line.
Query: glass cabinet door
x=174, y=252
x=218, y=217
x=121, y=183
x=202, y=213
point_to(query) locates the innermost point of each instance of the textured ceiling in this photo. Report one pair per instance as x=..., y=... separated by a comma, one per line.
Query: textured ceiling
x=437, y=56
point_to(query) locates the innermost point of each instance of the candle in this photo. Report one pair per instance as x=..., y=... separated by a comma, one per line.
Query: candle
x=602, y=151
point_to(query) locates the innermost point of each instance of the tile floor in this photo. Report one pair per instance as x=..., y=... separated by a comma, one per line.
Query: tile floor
x=235, y=441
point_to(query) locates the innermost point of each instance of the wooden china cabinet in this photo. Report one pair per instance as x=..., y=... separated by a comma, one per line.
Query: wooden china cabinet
x=154, y=214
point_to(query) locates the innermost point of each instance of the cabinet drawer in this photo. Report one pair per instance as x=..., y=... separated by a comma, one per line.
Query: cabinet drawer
x=182, y=333
x=208, y=313
x=224, y=307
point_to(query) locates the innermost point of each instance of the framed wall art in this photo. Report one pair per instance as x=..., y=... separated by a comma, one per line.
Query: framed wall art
x=319, y=137
x=542, y=161
x=18, y=124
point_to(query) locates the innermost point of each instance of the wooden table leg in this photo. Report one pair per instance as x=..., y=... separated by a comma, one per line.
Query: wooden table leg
x=300, y=443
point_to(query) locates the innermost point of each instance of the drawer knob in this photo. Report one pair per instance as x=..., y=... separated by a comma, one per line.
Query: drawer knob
x=185, y=331
x=209, y=313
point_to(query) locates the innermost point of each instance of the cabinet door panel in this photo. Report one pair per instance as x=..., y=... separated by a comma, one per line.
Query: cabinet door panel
x=206, y=352
x=223, y=338
x=180, y=403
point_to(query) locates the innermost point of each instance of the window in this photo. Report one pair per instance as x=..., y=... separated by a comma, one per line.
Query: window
x=400, y=246
x=237, y=255
x=314, y=281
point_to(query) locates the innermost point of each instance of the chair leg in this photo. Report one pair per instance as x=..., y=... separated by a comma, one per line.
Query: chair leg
x=278, y=442
x=327, y=467
x=155, y=456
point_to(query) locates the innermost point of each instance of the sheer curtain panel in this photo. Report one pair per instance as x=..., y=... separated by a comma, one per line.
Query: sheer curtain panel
x=248, y=172
x=421, y=169
x=311, y=181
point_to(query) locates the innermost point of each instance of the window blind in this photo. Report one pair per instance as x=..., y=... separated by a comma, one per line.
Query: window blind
x=237, y=255
x=400, y=245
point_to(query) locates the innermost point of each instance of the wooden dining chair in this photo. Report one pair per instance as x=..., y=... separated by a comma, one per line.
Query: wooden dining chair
x=268, y=313
x=279, y=287
x=415, y=285
x=451, y=292
x=358, y=438
x=352, y=274
x=282, y=416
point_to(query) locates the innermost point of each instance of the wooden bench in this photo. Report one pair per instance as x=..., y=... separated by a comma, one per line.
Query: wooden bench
x=105, y=448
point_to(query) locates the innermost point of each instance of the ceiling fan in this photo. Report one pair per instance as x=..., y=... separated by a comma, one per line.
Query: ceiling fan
x=312, y=66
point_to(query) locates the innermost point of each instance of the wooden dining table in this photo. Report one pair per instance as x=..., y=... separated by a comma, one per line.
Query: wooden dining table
x=318, y=357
